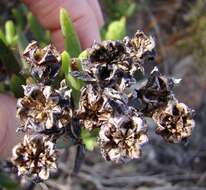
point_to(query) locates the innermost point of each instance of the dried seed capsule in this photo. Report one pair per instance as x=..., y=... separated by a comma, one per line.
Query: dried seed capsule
x=107, y=65
x=106, y=51
x=102, y=75
x=121, y=138
x=174, y=122
x=35, y=157
x=97, y=106
x=44, y=109
x=44, y=62
x=93, y=107
x=140, y=47
x=155, y=93
x=112, y=64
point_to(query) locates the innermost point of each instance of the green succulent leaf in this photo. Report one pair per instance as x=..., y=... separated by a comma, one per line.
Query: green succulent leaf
x=10, y=33
x=16, y=83
x=83, y=55
x=8, y=59
x=39, y=33
x=22, y=41
x=65, y=62
x=116, y=30
x=66, y=69
x=71, y=41
x=89, y=138
x=19, y=17
x=3, y=37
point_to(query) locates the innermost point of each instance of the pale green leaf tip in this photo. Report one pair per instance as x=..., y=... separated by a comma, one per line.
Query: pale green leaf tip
x=65, y=62
x=116, y=29
x=83, y=55
x=65, y=54
x=71, y=40
x=10, y=32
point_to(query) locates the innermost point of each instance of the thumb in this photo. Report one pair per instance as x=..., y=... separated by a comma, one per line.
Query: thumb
x=82, y=15
x=8, y=136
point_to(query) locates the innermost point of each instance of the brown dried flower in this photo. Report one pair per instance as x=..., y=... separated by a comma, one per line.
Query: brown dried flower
x=174, y=122
x=93, y=107
x=44, y=62
x=140, y=47
x=121, y=138
x=97, y=106
x=43, y=108
x=35, y=157
x=109, y=65
x=101, y=74
x=155, y=93
x=106, y=52
x=112, y=100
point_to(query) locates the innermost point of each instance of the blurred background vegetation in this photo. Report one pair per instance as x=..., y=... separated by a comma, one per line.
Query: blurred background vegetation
x=179, y=29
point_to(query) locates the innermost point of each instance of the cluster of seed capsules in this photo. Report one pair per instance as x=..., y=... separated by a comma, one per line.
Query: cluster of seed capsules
x=112, y=100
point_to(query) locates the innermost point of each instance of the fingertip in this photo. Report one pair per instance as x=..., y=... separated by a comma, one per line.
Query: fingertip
x=82, y=15
x=8, y=136
x=94, y=4
x=57, y=39
x=87, y=29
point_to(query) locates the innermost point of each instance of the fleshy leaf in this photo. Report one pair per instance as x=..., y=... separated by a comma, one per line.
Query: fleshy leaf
x=8, y=59
x=19, y=16
x=10, y=33
x=83, y=55
x=116, y=30
x=16, y=85
x=66, y=68
x=2, y=36
x=89, y=139
x=39, y=33
x=71, y=41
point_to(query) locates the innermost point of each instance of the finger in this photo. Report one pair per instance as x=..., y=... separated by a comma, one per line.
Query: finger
x=8, y=136
x=94, y=4
x=85, y=23
x=87, y=29
x=58, y=39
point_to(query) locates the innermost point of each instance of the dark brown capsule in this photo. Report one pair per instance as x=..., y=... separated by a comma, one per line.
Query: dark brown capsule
x=35, y=157
x=155, y=93
x=93, y=107
x=44, y=109
x=44, y=62
x=174, y=122
x=121, y=138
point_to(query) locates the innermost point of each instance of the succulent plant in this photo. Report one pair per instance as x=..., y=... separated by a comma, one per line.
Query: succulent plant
x=44, y=62
x=110, y=100
x=35, y=156
x=174, y=122
x=44, y=108
x=122, y=136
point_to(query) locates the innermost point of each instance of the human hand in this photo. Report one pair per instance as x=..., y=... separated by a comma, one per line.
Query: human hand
x=87, y=19
x=85, y=14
